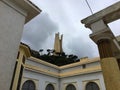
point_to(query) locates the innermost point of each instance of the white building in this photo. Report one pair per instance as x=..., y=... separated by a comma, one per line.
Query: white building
x=41, y=75
x=37, y=74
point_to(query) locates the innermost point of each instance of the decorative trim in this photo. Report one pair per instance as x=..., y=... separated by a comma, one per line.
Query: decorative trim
x=82, y=61
x=43, y=62
x=39, y=70
x=81, y=71
x=26, y=49
x=65, y=74
x=13, y=6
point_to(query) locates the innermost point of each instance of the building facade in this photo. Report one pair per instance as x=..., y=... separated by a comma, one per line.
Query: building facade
x=30, y=73
x=40, y=75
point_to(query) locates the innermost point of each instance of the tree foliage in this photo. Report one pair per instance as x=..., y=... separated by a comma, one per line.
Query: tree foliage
x=56, y=58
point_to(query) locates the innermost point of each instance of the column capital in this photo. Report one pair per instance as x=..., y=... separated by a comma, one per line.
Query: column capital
x=103, y=34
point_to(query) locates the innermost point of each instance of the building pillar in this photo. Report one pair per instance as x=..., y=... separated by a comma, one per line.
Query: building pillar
x=103, y=37
x=104, y=47
x=110, y=69
x=108, y=46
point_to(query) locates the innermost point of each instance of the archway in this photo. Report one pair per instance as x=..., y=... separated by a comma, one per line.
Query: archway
x=92, y=86
x=70, y=87
x=28, y=85
x=49, y=87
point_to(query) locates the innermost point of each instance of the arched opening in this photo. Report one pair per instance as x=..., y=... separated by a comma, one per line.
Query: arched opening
x=92, y=86
x=70, y=87
x=28, y=85
x=49, y=87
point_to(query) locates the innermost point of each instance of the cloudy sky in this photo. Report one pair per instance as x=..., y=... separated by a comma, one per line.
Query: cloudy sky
x=64, y=16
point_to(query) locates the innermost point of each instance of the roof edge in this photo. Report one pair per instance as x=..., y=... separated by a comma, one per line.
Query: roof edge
x=31, y=9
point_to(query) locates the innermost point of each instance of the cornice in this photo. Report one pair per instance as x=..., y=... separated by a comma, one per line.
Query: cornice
x=30, y=9
x=82, y=61
x=64, y=74
x=81, y=71
x=43, y=62
x=39, y=70
x=26, y=49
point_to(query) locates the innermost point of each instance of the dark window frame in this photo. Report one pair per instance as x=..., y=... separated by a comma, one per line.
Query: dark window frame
x=28, y=84
x=84, y=66
x=70, y=87
x=23, y=59
x=50, y=87
x=92, y=86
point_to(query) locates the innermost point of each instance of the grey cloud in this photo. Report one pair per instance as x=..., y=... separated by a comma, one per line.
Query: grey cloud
x=39, y=33
x=38, y=30
x=81, y=48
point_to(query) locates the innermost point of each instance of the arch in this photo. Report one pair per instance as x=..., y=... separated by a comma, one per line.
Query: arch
x=28, y=85
x=49, y=87
x=92, y=86
x=70, y=87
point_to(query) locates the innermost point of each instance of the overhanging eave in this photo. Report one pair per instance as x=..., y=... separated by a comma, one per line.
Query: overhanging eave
x=31, y=9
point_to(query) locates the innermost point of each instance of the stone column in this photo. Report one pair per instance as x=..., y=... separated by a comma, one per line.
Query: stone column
x=104, y=46
x=109, y=65
x=110, y=69
x=103, y=37
x=107, y=44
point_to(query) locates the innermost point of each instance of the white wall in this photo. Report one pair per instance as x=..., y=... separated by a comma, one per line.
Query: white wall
x=41, y=66
x=79, y=80
x=11, y=27
x=71, y=68
x=60, y=84
x=97, y=63
x=88, y=65
x=43, y=80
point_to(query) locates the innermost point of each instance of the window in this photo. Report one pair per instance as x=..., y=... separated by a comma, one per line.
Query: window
x=28, y=85
x=49, y=87
x=23, y=59
x=70, y=87
x=92, y=86
x=83, y=66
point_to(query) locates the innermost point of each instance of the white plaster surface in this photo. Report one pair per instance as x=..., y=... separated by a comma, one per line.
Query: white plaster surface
x=11, y=27
x=98, y=26
x=80, y=78
x=41, y=66
x=61, y=83
x=43, y=79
